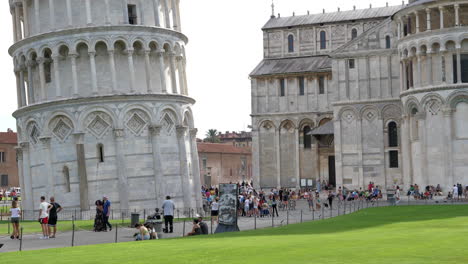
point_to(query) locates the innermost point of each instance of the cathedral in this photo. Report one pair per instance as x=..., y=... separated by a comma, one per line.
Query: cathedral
x=103, y=104
x=366, y=95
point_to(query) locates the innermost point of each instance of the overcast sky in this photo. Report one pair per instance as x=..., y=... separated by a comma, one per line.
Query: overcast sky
x=225, y=45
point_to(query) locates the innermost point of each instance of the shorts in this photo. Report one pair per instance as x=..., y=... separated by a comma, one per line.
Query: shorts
x=15, y=220
x=44, y=221
x=52, y=221
x=214, y=213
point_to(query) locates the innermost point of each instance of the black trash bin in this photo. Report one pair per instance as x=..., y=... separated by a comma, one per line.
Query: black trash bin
x=135, y=219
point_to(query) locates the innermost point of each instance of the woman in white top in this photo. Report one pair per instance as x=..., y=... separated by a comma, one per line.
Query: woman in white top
x=215, y=210
x=15, y=219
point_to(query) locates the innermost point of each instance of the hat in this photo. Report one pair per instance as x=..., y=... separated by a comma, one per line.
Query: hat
x=105, y=197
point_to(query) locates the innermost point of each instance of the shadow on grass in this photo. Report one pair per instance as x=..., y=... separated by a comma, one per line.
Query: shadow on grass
x=367, y=218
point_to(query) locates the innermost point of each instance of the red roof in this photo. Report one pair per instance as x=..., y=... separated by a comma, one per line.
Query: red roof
x=8, y=138
x=222, y=148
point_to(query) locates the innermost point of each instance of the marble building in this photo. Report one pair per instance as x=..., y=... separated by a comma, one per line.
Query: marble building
x=103, y=105
x=375, y=94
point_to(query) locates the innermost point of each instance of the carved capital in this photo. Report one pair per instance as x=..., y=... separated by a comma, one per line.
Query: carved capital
x=31, y=63
x=420, y=116
x=181, y=131
x=79, y=137
x=155, y=130
x=45, y=140
x=448, y=112
x=19, y=153
x=119, y=133
x=193, y=132
x=24, y=145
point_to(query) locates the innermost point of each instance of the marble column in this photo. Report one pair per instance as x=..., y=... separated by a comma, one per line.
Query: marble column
x=181, y=77
x=256, y=157
x=406, y=151
x=58, y=89
x=149, y=87
x=448, y=145
x=108, y=16
x=30, y=64
x=173, y=72
x=155, y=131
x=19, y=158
x=416, y=16
x=166, y=14
x=37, y=17
x=52, y=14
x=459, y=66
x=181, y=139
x=73, y=57
x=119, y=135
x=92, y=65
x=428, y=19
x=184, y=74
x=457, y=15
x=278, y=157
x=41, y=62
x=360, y=151
x=441, y=10
x=297, y=159
x=430, y=78
x=125, y=12
x=196, y=168
x=48, y=165
x=177, y=10
x=157, y=21
x=18, y=87
x=13, y=22
x=339, y=153
x=399, y=30
x=162, y=71
x=22, y=86
x=418, y=71
x=27, y=194
x=443, y=53
x=89, y=19
x=175, y=25
x=131, y=67
x=19, y=31
x=112, y=70
x=69, y=14
x=81, y=170
x=25, y=19
x=423, y=147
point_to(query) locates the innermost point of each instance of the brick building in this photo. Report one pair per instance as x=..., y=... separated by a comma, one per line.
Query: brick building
x=223, y=163
x=238, y=139
x=8, y=166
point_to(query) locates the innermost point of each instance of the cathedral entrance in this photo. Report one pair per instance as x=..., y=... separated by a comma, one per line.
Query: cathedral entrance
x=331, y=171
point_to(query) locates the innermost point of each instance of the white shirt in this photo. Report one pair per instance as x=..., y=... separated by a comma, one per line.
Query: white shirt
x=455, y=190
x=214, y=206
x=15, y=212
x=44, y=207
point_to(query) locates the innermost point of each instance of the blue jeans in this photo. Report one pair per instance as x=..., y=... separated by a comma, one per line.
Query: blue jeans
x=139, y=238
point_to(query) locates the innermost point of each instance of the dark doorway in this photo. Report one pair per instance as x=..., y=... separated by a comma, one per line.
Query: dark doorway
x=331, y=171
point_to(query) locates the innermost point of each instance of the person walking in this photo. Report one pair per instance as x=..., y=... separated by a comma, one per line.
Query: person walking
x=54, y=210
x=44, y=209
x=274, y=207
x=168, y=211
x=215, y=210
x=15, y=219
x=106, y=207
x=455, y=191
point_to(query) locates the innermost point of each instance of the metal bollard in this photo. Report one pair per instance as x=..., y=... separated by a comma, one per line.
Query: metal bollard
x=323, y=212
x=255, y=222
x=287, y=217
x=301, y=216
x=272, y=220
x=211, y=225
x=116, y=233
x=183, y=229
x=21, y=240
x=73, y=232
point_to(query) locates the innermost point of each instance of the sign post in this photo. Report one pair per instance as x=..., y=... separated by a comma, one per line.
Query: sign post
x=228, y=208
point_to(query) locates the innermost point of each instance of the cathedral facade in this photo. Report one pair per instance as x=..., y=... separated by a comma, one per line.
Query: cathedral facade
x=367, y=95
x=103, y=105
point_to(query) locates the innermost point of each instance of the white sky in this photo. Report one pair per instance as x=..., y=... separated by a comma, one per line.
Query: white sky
x=225, y=45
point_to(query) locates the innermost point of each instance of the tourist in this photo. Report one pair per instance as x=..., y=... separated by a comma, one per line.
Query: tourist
x=203, y=226
x=460, y=191
x=215, y=210
x=455, y=191
x=265, y=208
x=15, y=219
x=54, y=210
x=44, y=209
x=397, y=195
x=274, y=207
x=330, y=199
x=99, y=225
x=247, y=206
x=196, y=230
x=152, y=231
x=168, y=212
x=106, y=208
x=143, y=234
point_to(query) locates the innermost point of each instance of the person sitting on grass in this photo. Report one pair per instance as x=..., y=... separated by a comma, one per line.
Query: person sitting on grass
x=449, y=196
x=203, y=226
x=143, y=234
x=196, y=230
x=152, y=231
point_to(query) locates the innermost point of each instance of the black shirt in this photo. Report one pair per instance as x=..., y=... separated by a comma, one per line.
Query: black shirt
x=204, y=228
x=53, y=210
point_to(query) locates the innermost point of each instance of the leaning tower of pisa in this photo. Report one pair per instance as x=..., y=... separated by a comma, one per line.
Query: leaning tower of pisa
x=103, y=105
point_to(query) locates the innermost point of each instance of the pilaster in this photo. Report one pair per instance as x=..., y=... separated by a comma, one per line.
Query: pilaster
x=155, y=131
x=181, y=138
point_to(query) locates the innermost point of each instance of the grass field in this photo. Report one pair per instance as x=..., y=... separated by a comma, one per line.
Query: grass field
x=403, y=235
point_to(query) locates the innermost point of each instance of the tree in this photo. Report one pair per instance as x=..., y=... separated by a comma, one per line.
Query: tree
x=212, y=136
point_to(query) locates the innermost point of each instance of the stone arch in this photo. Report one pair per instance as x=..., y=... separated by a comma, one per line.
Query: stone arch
x=306, y=122
x=173, y=109
x=167, y=47
x=450, y=44
x=98, y=41
x=433, y=103
x=411, y=103
x=177, y=49
x=391, y=112
x=34, y=131
x=98, y=123
x=346, y=109
x=140, y=42
x=169, y=120
x=324, y=120
x=80, y=42
x=89, y=110
x=154, y=45
x=120, y=43
x=60, y=113
x=287, y=125
x=266, y=125
x=188, y=118
x=63, y=49
x=455, y=98
x=431, y=96
x=30, y=53
x=370, y=112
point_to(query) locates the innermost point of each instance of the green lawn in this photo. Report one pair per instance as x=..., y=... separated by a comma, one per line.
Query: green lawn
x=403, y=235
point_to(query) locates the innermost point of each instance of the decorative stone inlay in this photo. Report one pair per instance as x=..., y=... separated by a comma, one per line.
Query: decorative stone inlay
x=61, y=128
x=370, y=115
x=34, y=134
x=433, y=107
x=348, y=116
x=136, y=124
x=167, y=124
x=99, y=126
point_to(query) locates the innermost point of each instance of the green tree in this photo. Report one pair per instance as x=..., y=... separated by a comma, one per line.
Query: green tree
x=212, y=136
